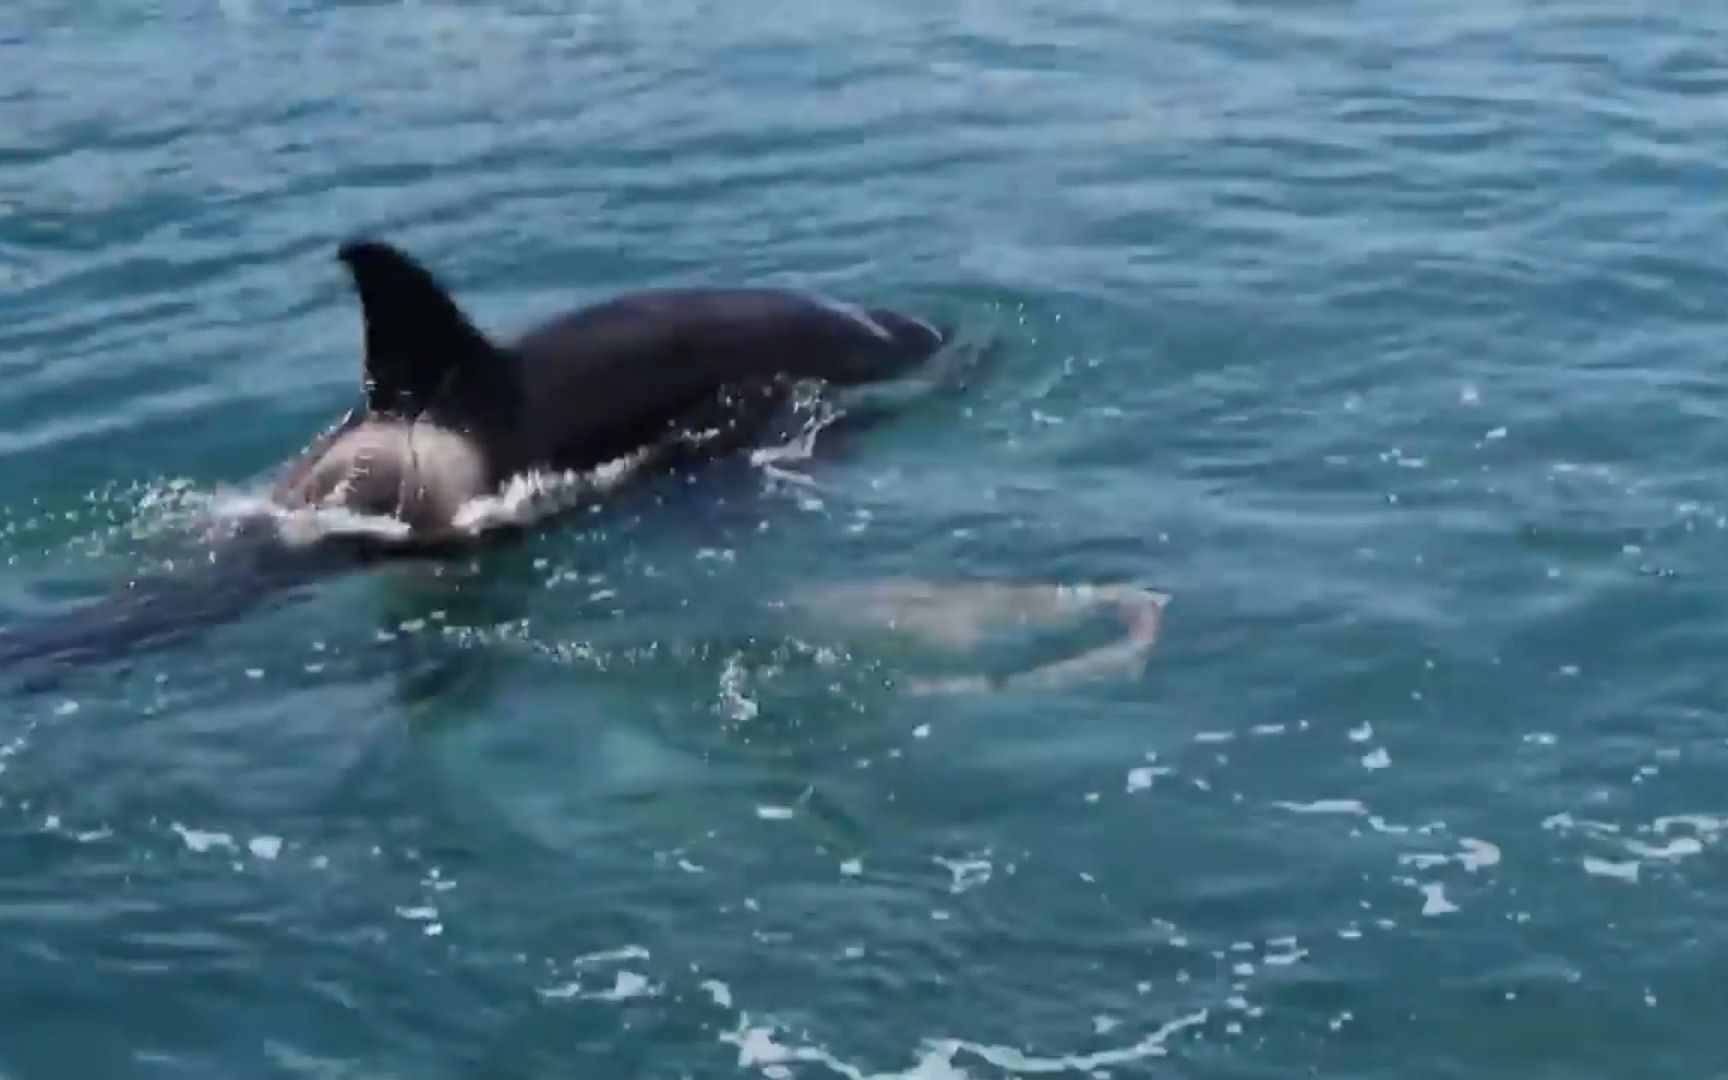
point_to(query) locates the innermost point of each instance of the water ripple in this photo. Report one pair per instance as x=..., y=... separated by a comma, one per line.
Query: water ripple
x=1384, y=340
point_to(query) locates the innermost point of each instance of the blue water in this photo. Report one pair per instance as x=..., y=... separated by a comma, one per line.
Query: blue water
x=1387, y=339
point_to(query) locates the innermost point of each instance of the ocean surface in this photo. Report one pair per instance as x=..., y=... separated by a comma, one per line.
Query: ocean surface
x=1388, y=340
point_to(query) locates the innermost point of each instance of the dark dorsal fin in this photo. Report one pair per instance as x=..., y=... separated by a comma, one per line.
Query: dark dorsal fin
x=419, y=344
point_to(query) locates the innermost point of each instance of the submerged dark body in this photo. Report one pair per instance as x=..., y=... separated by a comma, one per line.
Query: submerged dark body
x=449, y=415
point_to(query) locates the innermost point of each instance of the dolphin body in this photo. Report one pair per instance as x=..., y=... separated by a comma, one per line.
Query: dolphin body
x=448, y=414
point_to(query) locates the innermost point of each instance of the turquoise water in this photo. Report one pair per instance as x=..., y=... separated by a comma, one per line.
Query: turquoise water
x=1386, y=339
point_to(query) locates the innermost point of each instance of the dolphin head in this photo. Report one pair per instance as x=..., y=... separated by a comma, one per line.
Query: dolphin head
x=438, y=398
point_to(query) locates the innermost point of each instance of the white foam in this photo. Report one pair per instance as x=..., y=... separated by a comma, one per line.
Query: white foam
x=799, y=448
x=304, y=525
x=759, y=1049
x=531, y=496
x=1565, y=820
x=967, y=874
x=1284, y=959
x=626, y=952
x=1677, y=848
x=1424, y=860
x=1478, y=854
x=734, y=702
x=627, y=985
x=201, y=841
x=1623, y=871
x=1325, y=806
x=719, y=991
x=1140, y=778
x=1434, y=900
x=1706, y=826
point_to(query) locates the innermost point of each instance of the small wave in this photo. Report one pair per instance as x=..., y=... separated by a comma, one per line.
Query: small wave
x=539, y=494
x=179, y=507
x=536, y=495
x=298, y=526
x=758, y=1048
x=522, y=500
